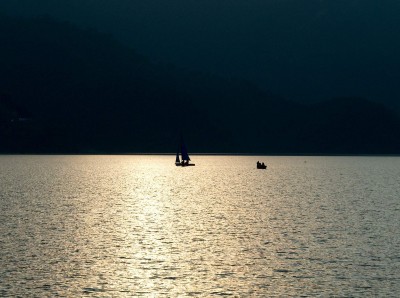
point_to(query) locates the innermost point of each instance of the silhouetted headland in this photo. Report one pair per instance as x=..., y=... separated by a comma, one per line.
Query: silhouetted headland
x=68, y=90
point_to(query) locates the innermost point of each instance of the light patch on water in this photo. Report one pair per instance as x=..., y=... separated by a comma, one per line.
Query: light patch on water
x=101, y=226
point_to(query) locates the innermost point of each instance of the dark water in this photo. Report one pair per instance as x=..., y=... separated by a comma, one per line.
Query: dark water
x=116, y=226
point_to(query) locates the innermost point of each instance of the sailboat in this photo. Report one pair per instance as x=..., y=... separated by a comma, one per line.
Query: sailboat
x=185, y=156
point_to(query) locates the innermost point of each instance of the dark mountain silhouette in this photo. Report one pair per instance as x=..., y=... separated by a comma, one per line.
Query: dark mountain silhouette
x=302, y=49
x=79, y=91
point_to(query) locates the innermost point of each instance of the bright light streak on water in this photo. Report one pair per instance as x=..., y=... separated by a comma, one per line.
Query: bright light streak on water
x=102, y=226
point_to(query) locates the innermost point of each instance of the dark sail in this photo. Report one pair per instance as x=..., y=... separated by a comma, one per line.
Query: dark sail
x=185, y=155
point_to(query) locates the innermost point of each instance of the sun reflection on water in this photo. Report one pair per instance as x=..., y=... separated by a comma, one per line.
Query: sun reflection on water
x=139, y=226
x=186, y=231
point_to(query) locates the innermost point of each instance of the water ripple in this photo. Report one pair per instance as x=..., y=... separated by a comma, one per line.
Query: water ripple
x=123, y=226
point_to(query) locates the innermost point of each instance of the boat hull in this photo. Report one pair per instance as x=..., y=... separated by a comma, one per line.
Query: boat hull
x=180, y=165
x=261, y=167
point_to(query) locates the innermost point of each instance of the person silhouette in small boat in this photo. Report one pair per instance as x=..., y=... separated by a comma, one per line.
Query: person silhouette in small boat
x=263, y=165
x=258, y=163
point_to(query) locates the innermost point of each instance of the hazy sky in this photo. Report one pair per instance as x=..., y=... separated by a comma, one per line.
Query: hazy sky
x=301, y=49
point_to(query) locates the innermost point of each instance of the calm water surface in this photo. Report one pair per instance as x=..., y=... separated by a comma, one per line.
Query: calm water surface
x=115, y=226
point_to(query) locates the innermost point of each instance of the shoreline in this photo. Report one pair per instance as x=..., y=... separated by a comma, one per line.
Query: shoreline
x=209, y=154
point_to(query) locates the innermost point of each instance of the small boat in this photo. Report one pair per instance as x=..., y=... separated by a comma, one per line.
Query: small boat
x=261, y=166
x=185, y=156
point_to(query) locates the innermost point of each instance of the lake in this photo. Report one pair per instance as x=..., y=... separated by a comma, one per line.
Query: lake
x=123, y=226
